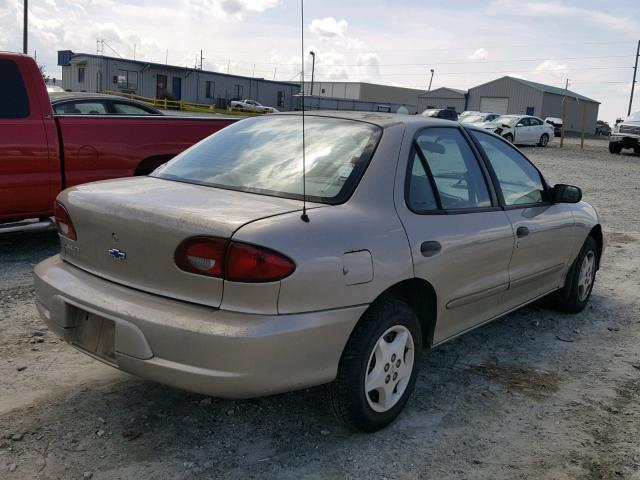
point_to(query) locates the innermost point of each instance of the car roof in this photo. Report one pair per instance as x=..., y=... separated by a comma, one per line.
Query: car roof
x=380, y=119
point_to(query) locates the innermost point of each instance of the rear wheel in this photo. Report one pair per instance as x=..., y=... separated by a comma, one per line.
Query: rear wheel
x=544, y=140
x=509, y=138
x=379, y=366
x=575, y=294
x=614, y=147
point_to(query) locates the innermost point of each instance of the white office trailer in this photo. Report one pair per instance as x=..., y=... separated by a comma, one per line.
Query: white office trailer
x=85, y=72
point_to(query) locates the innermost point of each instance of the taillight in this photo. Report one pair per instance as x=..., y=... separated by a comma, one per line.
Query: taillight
x=234, y=261
x=250, y=263
x=202, y=255
x=63, y=222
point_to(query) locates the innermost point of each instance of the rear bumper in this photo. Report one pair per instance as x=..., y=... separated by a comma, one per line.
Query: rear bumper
x=201, y=349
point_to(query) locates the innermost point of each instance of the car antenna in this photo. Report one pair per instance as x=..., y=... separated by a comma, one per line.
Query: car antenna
x=304, y=216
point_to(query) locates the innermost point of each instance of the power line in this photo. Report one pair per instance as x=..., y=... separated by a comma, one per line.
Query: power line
x=427, y=64
x=499, y=71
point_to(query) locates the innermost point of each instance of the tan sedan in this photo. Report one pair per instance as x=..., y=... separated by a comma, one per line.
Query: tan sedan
x=207, y=276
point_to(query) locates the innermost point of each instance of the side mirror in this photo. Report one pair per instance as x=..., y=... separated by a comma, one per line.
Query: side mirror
x=520, y=125
x=561, y=193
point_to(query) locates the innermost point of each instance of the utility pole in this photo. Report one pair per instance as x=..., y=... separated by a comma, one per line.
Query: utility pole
x=565, y=101
x=313, y=69
x=430, y=80
x=633, y=83
x=201, y=57
x=166, y=57
x=228, y=66
x=25, y=28
x=134, y=51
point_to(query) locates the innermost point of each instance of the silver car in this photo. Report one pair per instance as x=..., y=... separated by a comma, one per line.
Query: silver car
x=209, y=276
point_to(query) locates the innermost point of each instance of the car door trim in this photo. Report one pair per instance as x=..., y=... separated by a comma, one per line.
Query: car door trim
x=476, y=296
x=536, y=275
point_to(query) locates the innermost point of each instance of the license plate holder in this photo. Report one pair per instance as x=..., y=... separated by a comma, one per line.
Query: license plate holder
x=96, y=335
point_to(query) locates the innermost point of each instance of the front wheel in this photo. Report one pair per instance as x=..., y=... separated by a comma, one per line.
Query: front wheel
x=544, y=140
x=379, y=366
x=614, y=147
x=509, y=138
x=575, y=294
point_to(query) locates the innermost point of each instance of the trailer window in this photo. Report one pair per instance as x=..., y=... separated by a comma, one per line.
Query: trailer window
x=14, y=102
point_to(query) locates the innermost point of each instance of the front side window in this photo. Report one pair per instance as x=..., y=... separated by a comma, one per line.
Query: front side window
x=519, y=180
x=454, y=168
x=129, y=109
x=264, y=155
x=14, y=102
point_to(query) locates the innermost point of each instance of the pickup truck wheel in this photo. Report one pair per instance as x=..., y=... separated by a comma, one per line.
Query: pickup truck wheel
x=509, y=138
x=614, y=147
x=575, y=294
x=379, y=367
x=544, y=140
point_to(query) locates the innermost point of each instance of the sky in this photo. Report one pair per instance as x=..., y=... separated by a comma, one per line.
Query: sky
x=592, y=43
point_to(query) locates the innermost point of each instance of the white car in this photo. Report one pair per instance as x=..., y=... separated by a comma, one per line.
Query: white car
x=479, y=119
x=522, y=129
x=247, y=105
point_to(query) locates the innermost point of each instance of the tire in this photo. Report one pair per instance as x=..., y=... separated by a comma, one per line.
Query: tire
x=574, y=296
x=385, y=322
x=614, y=148
x=544, y=140
x=508, y=137
x=636, y=150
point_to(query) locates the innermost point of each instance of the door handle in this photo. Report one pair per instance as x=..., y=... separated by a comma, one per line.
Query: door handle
x=429, y=249
x=522, y=232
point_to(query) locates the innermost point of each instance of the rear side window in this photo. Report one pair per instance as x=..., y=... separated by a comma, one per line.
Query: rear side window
x=13, y=95
x=80, y=108
x=454, y=168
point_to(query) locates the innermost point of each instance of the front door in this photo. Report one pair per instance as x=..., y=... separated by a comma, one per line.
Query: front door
x=176, y=88
x=544, y=231
x=522, y=131
x=461, y=240
x=161, y=86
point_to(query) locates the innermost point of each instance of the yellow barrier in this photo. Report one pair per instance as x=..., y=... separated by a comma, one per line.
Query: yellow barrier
x=179, y=104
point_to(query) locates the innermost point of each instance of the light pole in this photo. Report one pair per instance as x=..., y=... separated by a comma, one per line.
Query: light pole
x=313, y=68
x=430, y=80
x=24, y=28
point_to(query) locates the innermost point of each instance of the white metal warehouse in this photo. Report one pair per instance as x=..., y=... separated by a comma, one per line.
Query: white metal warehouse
x=510, y=95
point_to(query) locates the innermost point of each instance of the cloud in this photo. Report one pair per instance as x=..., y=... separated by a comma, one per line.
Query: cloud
x=233, y=8
x=479, y=54
x=596, y=17
x=328, y=27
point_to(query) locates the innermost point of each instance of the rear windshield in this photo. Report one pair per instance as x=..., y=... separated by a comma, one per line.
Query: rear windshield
x=264, y=155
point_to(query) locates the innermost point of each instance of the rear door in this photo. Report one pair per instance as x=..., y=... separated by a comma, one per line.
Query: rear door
x=25, y=176
x=461, y=240
x=544, y=231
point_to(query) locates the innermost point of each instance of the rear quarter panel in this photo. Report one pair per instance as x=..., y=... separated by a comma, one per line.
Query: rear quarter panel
x=366, y=222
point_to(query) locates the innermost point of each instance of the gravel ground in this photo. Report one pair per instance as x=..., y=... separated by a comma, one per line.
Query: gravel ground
x=534, y=395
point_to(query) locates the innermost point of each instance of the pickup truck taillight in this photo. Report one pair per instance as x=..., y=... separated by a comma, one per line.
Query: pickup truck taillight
x=63, y=222
x=233, y=261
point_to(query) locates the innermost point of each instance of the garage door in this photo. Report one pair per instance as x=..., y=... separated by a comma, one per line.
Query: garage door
x=494, y=104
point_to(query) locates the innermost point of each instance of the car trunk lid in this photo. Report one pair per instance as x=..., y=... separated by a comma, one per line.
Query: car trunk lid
x=128, y=231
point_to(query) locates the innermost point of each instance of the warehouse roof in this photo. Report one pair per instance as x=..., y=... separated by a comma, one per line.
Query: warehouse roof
x=437, y=91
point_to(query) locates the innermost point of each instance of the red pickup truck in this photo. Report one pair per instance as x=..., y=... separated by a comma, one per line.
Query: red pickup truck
x=42, y=154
